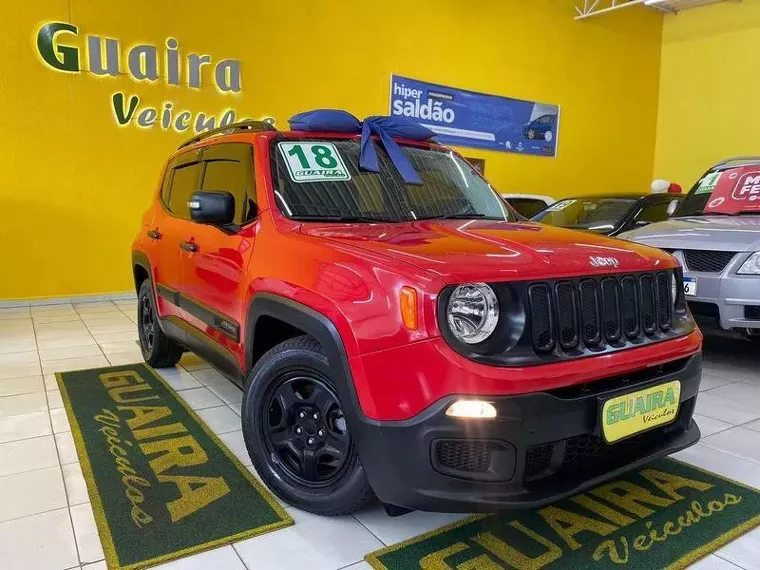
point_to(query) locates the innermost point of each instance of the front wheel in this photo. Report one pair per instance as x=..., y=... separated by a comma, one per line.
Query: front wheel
x=531, y=134
x=296, y=433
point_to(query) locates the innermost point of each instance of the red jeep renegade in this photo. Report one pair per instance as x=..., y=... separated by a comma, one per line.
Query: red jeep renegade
x=400, y=332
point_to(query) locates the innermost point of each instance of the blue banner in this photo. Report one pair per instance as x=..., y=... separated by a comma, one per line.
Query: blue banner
x=476, y=120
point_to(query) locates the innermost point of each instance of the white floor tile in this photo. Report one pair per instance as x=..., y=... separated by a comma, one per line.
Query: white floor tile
x=86, y=533
x=744, y=551
x=119, y=347
x=723, y=409
x=81, y=363
x=221, y=558
x=31, y=492
x=709, y=426
x=125, y=358
x=235, y=408
x=27, y=455
x=57, y=317
x=76, y=488
x=178, y=378
x=40, y=542
x=736, y=468
x=51, y=304
x=67, y=451
x=235, y=443
x=313, y=542
x=713, y=562
x=79, y=339
x=59, y=420
x=101, y=565
x=358, y=566
x=54, y=399
x=116, y=336
x=22, y=385
x=226, y=390
x=13, y=312
x=15, y=428
x=210, y=376
x=27, y=357
x=18, y=345
x=740, y=392
x=64, y=353
x=51, y=382
x=200, y=398
x=737, y=441
x=395, y=529
x=220, y=420
x=22, y=404
x=19, y=370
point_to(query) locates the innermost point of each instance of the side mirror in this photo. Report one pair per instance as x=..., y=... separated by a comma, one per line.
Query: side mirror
x=641, y=223
x=215, y=208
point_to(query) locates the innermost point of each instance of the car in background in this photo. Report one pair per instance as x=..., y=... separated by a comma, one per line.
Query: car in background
x=715, y=235
x=609, y=214
x=540, y=128
x=528, y=205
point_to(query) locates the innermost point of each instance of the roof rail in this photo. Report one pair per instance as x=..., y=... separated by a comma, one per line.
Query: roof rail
x=738, y=159
x=253, y=126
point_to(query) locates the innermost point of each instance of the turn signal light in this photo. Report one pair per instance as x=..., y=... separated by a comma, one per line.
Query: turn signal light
x=409, y=307
x=471, y=409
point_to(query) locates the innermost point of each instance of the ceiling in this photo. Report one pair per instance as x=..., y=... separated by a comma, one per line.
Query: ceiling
x=588, y=8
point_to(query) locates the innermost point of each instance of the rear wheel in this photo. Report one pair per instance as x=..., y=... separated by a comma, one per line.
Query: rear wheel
x=158, y=350
x=296, y=433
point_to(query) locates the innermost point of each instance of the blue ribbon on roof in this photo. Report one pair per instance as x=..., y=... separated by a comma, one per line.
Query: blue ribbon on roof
x=337, y=121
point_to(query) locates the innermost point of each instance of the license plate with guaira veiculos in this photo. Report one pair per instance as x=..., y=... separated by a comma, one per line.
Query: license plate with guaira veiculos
x=634, y=412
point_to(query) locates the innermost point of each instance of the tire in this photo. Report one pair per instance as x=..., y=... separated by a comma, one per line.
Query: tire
x=288, y=389
x=531, y=134
x=158, y=350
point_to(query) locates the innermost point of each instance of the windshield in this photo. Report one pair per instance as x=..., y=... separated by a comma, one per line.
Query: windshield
x=729, y=191
x=320, y=179
x=601, y=215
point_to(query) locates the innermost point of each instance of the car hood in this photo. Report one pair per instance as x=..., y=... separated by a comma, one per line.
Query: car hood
x=484, y=250
x=716, y=233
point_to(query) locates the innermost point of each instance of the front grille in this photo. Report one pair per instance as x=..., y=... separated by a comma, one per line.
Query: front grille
x=471, y=456
x=707, y=261
x=599, y=312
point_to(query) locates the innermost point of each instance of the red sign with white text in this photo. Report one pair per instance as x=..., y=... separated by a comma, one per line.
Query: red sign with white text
x=737, y=190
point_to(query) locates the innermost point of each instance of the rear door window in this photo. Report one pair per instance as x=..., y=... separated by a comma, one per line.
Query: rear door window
x=184, y=182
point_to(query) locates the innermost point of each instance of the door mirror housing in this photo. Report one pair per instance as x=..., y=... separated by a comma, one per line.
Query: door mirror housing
x=641, y=223
x=672, y=207
x=215, y=208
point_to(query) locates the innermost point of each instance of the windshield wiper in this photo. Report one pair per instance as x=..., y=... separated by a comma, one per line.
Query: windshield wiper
x=459, y=216
x=316, y=218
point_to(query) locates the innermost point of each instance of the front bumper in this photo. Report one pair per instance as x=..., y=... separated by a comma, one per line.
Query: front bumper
x=543, y=446
x=732, y=300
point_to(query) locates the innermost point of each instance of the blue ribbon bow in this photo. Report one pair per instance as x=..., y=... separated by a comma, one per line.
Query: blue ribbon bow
x=337, y=121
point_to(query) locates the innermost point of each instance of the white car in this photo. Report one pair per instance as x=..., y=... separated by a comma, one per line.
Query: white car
x=528, y=205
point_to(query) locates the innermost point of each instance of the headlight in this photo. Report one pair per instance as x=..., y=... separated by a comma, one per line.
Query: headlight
x=473, y=312
x=751, y=266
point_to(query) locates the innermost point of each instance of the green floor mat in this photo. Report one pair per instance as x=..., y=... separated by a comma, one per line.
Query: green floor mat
x=665, y=515
x=161, y=484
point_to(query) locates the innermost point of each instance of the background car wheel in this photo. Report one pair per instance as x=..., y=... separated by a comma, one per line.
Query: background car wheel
x=531, y=134
x=296, y=434
x=158, y=350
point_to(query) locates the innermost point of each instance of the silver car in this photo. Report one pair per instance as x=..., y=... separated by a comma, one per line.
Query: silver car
x=715, y=235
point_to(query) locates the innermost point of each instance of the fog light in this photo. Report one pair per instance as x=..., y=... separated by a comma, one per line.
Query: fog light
x=471, y=409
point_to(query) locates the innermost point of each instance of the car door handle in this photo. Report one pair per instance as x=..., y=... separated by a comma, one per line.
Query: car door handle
x=189, y=246
x=154, y=234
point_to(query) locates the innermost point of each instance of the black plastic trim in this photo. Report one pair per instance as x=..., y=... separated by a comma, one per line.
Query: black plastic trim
x=222, y=323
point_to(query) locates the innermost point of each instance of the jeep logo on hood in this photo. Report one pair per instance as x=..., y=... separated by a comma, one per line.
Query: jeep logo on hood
x=603, y=261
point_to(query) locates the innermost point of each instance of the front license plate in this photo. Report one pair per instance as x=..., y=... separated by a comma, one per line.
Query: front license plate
x=631, y=413
x=690, y=286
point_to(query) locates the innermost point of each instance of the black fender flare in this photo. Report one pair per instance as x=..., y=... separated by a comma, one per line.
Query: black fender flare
x=316, y=325
x=140, y=259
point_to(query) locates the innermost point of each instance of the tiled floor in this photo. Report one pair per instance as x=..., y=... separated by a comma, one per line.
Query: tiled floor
x=46, y=521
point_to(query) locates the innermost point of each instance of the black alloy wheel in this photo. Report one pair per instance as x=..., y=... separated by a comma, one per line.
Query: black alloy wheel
x=158, y=350
x=305, y=428
x=147, y=323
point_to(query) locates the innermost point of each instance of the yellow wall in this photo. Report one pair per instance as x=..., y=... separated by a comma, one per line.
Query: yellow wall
x=74, y=184
x=710, y=89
